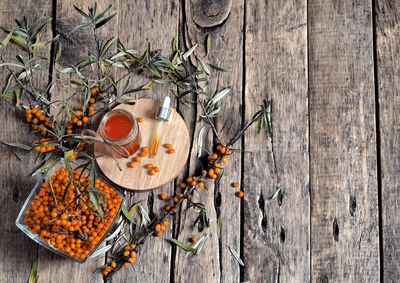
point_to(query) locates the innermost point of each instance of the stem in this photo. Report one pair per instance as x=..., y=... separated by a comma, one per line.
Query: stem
x=243, y=130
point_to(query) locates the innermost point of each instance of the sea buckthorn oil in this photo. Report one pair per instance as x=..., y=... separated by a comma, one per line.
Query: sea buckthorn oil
x=119, y=129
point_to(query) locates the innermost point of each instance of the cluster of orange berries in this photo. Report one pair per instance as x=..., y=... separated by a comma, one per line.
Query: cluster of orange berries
x=44, y=147
x=152, y=169
x=220, y=155
x=80, y=117
x=170, y=148
x=141, y=153
x=129, y=256
x=36, y=117
x=68, y=224
x=159, y=228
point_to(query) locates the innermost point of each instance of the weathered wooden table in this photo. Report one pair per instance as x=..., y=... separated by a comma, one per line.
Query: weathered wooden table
x=331, y=70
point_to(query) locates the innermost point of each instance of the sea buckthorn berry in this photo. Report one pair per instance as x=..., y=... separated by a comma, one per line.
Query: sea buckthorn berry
x=222, y=150
x=140, y=119
x=113, y=264
x=92, y=100
x=219, y=147
x=165, y=223
x=79, y=123
x=132, y=246
x=94, y=90
x=224, y=160
x=167, y=208
x=156, y=168
x=157, y=228
x=126, y=253
x=132, y=259
x=189, y=179
x=193, y=239
x=235, y=184
x=148, y=166
x=182, y=185
x=171, y=151
x=215, y=176
x=91, y=108
x=240, y=194
x=152, y=171
x=85, y=119
x=211, y=172
x=168, y=146
x=228, y=152
x=193, y=183
x=214, y=156
x=200, y=185
x=132, y=164
x=163, y=196
x=127, y=248
x=175, y=199
x=217, y=170
x=136, y=159
x=126, y=264
x=143, y=154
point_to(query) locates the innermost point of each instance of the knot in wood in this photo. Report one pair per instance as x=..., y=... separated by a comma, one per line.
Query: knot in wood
x=209, y=13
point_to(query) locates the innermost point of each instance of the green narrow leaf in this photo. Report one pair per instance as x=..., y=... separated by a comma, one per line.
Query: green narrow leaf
x=182, y=245
x=104, y=21
x=174, y=45
x=221, y=69
x=18, y=145
x=127, y=214
x=33, y=274
x=94, y=198
x=83, y=14
x=6, y=40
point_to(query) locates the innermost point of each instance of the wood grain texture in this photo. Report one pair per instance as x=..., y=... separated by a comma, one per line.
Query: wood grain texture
x=388, y=70
x=138, y=179
x=215, y=262
x=276, y=180
x=17, y=251
x=141, y=22
x=344, y=191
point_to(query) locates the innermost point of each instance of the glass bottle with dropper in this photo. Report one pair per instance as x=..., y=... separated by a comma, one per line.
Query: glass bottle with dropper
x=162, y=116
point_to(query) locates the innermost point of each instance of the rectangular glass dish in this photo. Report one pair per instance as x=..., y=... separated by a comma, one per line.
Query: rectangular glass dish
x=60, y=216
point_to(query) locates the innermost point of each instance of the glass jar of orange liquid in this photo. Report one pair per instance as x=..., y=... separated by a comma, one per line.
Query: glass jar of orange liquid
x=120, y=130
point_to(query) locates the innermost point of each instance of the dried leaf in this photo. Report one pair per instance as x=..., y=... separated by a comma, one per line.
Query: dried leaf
x=101, y=251
x=236, y=256
x=187, y=54
x=200, y=142
x=208, y=44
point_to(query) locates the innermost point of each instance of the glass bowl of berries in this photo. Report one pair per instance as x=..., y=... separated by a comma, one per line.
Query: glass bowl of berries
x=70, y=212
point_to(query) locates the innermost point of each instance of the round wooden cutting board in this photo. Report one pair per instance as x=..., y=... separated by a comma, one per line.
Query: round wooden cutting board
x=170, y=165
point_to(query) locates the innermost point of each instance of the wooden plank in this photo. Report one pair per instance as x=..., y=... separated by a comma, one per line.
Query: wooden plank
x=139, y=23
x=276, y=181
x=388, y=70
x=17, y=251
x=215, y=262
x=344, y=191
x=53, y=268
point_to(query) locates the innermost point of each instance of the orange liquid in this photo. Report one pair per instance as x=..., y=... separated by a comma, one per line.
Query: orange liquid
x=118, y=127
